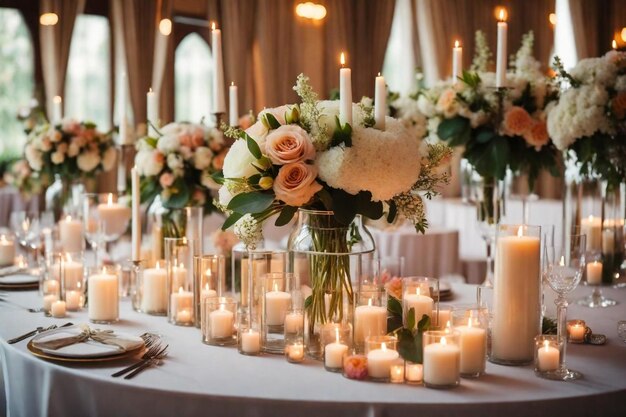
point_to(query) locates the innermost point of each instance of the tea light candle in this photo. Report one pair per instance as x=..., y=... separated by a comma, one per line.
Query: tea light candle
x=48, y=300
x=103, y=296
x=333, y=353
x=7, y=251
x=181, y=303
x=114, y=215
x=594, y=273
x=294, y=322
x=396, y=374
x=295, y=352
x=473, y=343
x=422, y=304
x=251, y=341
x=71, y=234
x=369, y=320
x=73, y=299
x=276, y=305
x=441, y=363
x=379, y=361
x=547, y=357
x=414, y=372
x=577, y=331
x=221, y=322
x=184, y=316
x=154, y=297
x=57, y=309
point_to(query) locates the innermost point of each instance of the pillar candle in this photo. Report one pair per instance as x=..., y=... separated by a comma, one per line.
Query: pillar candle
x=57, y=309
x=547, y=357
x=71, y=234
x=181, y=302
x=369, y=320
x=153, y=113
x=379, y=361
x=135, y=215
x=473, y=344
x=57, y=110
x=457, y=62
x=179, y=276
x=154, y=295
x=72, y=273
x=114, y=215
x=501, y=60
x=441, y=363
x=233, y=111
x=594, y=273
x=73, y=299
x=345, y=93
x=294, y=322
x=121, y=172
x=48, y=299
x=276, y=305
x=221, y=323
x=103, y=297
x=51, y=286
x=251, y=341
x=7, y=251
x=219, y=101
x=444, y=316
x=592, y=227
x=422, y=304
x=608, y=241
x=380, y=102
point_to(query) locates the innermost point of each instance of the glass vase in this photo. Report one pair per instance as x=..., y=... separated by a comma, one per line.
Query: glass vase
x=613, y=210
x=329, y=257
x=57, y=195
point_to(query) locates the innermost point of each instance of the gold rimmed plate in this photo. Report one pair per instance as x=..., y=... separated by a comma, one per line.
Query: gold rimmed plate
x=117, y=356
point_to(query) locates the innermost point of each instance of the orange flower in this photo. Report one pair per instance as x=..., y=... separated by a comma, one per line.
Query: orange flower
x=618, y=105
x=517, y=121
x=537, y=135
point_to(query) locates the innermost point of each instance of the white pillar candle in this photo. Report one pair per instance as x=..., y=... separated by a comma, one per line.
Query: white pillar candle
x=379, y=361
x=233, y=111
x=205, y=293
x=345, y=93
x=547, y=357
x=179, y=276
x=294, y=322
x=221, y=323
x=184, y=316
x=51, y=286
x=181, y=302
x=473, y=344
x=369, y=320
x=48, y=299
x=517, y=297
x=72, y=273
x=380, y=102
x=594, y=273
x=57, y=309
x=276, y=306
x=457, y=62
x=103, y=297
x=441, y=363
x=73, y=299
x=333, y=352
x=135, y=214
x=219, y=102
x=576, y=332
x=414, y=372
x=501, y=58
x=422, y=304
x=57, y=110
x=7, y=251
x=154, y=295
x=592, y=228
x=251, y=341
x=71, y=234
x=153, y=113
x=114, y=215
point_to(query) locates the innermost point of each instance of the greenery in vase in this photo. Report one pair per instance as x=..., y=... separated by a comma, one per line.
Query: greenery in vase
x=409, y=336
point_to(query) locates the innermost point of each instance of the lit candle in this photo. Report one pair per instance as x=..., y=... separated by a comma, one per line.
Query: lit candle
x=457, y=62
x=295, y=352
x=444, y=316
x=379, y=361
x=251, y=341
x=294, y=322
x=123, y=138
x=103, y=297
x=221, y=323
x=441, y=363
x=333, y=353
x=380, y=102
x=473, y=343
x=48, y=299
x=7, y=251
x=72, y=272
x=396, y=374
x=51, y=286
x=547, y=357
x=73, y=299
x=181, y=302
x=135, y=214
x=276, y=305
x=115, y=216
x=154, y=296
x=233, y=111
x=501, y=61
x=594, y=273
x=414, y=372
x=345, y=92
x=57, y=110
x=369, y=320
x=608, y=241
x=577, y=332
x=153, y=113
x=592, y=228
x=57, y=309
x=422, y=304
x=179, y=275
x=219, y=105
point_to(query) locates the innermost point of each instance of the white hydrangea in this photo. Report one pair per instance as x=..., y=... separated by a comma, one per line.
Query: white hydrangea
x=595, y=70
x=202, y=158
x=147, y=163
x=88, y=161
x=168, y=144
x=392, y=158
x=249, y=231
x=410, y=114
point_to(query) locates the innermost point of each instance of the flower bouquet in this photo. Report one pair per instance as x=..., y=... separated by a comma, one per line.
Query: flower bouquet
x=21, y=176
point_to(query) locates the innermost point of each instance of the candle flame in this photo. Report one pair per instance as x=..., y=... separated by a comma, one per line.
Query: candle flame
x=208, y=272
x=614, y=44
x=378, y=74
x=150, y=90
x=104, y=270
x=276, y=286
x=546, y=344
x=68, y=257
x=456, y=44
x=443, y=341
x=158, y=266
x=342, y=59
x=206, y=287
x=552, y=19
x=383, y=346
x=520, y=232
x=232, y=83
x=180, y=290
x=250, y=331
x=78, y=285
x=562, y=261
x=469, y=322
x=57, y=99
x=502, y=14
x=448, y=327
x=110, y=199
x=418, y=291
x=212, y=25
x=369, y=302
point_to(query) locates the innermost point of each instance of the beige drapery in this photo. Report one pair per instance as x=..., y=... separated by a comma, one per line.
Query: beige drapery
x=55, y=45
x=162, y=49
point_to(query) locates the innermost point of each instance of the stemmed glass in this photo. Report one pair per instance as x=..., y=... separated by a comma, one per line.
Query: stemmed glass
x=26, y=228
x=105, y=218
x=563, y=269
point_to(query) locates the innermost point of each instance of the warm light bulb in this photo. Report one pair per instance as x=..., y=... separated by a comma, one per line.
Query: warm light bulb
x=48, y=19
x=623, y=34
x=165, y=27
x=310, y=10
x=57, y=99
x=342, y=59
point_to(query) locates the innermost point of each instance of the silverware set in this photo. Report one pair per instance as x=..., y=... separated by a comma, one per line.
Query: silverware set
x=35, y=332
x=153, y=356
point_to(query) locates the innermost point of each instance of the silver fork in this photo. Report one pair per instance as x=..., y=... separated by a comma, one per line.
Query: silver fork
x=148, y=363
x=154, y=349
x=30, y=310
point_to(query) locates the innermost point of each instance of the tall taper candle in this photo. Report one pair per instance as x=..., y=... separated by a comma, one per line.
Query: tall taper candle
x=501, y=56
x=121, y=171
x=345, y=92
x=457, y=62
x=136, y=215
x=153, y=113
x=233, y=111
x=123, y=121
x=57, y=110
x=219, y=102
x=380, y=102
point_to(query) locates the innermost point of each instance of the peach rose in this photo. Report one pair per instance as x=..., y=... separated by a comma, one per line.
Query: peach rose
x=289, y=144
x=295, y=184
x=446, y=100
x=517, y=121
x=537, y=135
x=618, y=105
x=166, y=180
x=185, y=140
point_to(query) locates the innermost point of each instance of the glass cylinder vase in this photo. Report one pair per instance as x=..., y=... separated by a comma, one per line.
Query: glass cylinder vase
x=612, y=234
x=209, y=280
x=179, y=269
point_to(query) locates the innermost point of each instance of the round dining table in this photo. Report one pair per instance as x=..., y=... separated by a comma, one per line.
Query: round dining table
x=197, y=379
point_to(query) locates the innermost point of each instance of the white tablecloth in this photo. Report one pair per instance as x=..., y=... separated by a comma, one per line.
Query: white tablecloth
x=204, y=380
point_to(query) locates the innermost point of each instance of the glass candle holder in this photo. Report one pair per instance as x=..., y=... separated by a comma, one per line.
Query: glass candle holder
x=276, y=300
x=51, y=276
x=547, y=355
x=294, y=323
x=442, y=358
x=396, y=373
x=136, y=281
x=7, y=249
x=442, y=315
x=472, y=323
x=370, y=316
x=209, y=277
x=413, y=373
x=254, y=266
x=248, y=335
x=381, y=354
x=71, y=236
x=179, y=270
x=218, y=327
x=576, y=330
x=103, y=294
x=420, y=294
x=152, y=291
x=68, y=269
x=355, y=365
x=294, y=350
x=336, y=339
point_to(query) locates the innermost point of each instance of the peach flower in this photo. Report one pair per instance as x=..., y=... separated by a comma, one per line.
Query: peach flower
x=446, y=100
x=295, y=184
x=166, y=180
x=618, y=105
x=537, y=135
x=185, y=140
x=517, y=121
x=218, y=160
x=159, y=158
x=289, y=144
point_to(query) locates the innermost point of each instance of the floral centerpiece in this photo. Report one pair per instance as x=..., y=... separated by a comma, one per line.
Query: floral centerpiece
x=21, y=176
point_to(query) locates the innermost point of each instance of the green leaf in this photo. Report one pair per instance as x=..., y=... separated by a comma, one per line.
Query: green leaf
x=271, y=120
x=152, y=142
x=368, y=208
x=252, y=202
x=308, y=302
x=410, y=318
x=253, y=147
x=285, y=216
x=344, y=206
x=180, y=196
x=485, y=136
x=254, y=179
x=231, y=220
x=394, y=306
x=456, y=131
x=407, y=346
x=218, y=177
x=424, y=323
x=342, y=134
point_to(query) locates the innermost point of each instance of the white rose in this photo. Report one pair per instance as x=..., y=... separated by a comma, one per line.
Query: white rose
x=224, y=195
x=147, y=163
x=174, y=161
x=88, y=161
x=108, y=160
x=202, y=158
x=238, y=161
x=168, y=144
x=34, y=158
x=258, y=132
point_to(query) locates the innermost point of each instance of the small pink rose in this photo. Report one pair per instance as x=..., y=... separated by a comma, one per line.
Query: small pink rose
x=289, y=144
x=295, y=184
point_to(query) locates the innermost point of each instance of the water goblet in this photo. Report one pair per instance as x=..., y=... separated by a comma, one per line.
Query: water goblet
x=105, y=218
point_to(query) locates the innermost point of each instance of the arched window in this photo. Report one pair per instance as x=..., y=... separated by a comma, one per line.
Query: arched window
x=192, y=74
x=88, y=79
x=16, y=79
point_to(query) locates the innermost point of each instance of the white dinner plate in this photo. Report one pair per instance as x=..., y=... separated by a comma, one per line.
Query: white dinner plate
x=19, y=279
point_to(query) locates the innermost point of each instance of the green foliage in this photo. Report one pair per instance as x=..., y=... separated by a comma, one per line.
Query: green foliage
x=253, y=147
x=409, y=340
x=180, y=195
x=286, y=214
x=251, y=202
x=456, y=131
x=342, y=134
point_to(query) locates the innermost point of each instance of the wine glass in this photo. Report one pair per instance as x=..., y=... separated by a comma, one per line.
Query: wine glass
x=563, y=268
x=27, y=231
x=105, y=217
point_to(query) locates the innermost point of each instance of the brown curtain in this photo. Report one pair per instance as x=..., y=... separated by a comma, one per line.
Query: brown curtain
x=55, y=45
x=162, y=50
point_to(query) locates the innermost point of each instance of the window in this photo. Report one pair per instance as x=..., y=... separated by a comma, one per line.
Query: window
x=192, y=74
x=564, y=41
x=399, y=65
x=88, y=80
x=16, y=79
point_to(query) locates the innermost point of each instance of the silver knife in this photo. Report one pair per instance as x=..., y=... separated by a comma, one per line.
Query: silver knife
x=35, y=332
